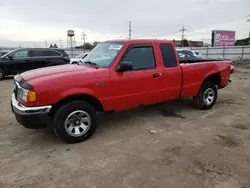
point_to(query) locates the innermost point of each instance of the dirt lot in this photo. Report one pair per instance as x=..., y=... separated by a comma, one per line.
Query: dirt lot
x=191, y=148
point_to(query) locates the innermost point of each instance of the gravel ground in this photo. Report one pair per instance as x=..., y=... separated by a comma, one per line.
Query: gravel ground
x=188, y=148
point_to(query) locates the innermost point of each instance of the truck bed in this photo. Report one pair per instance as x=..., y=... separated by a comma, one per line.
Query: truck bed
x=199, y=60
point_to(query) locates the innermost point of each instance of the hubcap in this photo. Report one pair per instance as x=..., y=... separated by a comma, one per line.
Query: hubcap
x=77, y=123
x=209, y=96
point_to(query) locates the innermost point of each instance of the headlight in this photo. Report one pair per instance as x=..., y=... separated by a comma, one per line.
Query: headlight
x=27, y=95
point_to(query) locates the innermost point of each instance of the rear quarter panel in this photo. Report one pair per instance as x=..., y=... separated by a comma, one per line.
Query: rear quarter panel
x=194, y=75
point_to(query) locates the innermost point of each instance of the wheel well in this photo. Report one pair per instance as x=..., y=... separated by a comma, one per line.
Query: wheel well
x=3, y=69
x=88, y=98
x=214, y=79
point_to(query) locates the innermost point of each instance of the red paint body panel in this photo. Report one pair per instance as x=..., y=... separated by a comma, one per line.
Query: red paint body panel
x=119, y=91
x=195, y=74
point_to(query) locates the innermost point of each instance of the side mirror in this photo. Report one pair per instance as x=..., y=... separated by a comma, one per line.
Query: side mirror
x=10, y=57
x=124, y=66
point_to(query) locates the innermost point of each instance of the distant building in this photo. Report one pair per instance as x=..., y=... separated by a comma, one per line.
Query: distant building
x=178, y=43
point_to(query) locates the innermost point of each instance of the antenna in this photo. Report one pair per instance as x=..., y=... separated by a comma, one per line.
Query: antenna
x=129, y=30
x=183, y=34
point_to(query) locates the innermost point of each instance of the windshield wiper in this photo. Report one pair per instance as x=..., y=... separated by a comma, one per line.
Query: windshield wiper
x=91, y=63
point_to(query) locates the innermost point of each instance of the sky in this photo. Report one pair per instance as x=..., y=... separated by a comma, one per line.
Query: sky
x=32, y=22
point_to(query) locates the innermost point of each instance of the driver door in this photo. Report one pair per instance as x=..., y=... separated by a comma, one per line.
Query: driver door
x=142, y=85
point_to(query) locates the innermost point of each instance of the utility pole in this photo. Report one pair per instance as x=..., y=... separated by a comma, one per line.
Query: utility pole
x=248, y=20
x=129, y=30
x=182, y=34
x=83, y=35
x=46, y=44
x=61, y=43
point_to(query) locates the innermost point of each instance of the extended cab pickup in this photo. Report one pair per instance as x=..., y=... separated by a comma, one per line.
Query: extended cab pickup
x=115, y=75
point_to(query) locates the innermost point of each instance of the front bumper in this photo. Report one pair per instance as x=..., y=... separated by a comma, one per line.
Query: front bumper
x=30, y=117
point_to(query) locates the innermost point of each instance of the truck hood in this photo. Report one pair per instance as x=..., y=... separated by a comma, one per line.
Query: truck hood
x=63, y=73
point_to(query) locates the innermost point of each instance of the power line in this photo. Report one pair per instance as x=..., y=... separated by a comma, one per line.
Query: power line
x=129, y=30
x=182, y=34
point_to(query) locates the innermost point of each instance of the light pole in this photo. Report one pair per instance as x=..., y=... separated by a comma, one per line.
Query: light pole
x=84, y=41
x=248, y=20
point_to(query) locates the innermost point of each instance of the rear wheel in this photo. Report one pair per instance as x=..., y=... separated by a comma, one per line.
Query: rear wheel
x=2, y=74
x=75, y=121
x=206, y=97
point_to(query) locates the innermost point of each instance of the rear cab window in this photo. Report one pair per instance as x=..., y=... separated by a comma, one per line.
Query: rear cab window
x=168, y=55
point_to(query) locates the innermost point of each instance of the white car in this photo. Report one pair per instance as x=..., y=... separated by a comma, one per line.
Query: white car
x=195, y=53
x=77, y=59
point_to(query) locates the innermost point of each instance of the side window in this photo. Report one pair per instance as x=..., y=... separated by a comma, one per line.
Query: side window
x=39, y=53
x=21, y=54
x=141, y=57
x=168, y=55
x=54, y=54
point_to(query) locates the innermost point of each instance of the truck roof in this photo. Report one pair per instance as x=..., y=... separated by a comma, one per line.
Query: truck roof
x=138, y=40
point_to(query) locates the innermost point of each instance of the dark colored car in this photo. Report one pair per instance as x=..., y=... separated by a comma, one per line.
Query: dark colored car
x=25, y=59
x=187, y=57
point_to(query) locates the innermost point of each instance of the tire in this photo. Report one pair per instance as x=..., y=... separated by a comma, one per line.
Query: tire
x=206, y=97
x=68, y=120
x=2, y=74
x=75, y=62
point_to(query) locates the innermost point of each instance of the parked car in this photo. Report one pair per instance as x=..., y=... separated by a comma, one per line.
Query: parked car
x=78, y=58
x=186, y=56
x=3, y=53
x=194, y=53
x=25, y=59
x=116, y=75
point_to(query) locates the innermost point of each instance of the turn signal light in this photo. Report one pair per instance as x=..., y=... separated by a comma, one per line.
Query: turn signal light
x=31, y=97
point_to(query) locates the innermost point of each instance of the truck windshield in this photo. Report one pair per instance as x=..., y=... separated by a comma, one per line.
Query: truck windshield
x=104, y=54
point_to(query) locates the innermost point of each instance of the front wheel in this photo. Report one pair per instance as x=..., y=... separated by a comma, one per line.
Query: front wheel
x=206, y=97
x=75, y=121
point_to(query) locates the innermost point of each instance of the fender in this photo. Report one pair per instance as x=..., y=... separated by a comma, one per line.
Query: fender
x=195, y=74
x=4, y=68
x=76, y=91
x=221, y=68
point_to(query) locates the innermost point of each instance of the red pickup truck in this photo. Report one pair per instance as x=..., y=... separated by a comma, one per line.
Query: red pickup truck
x=116, y=75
